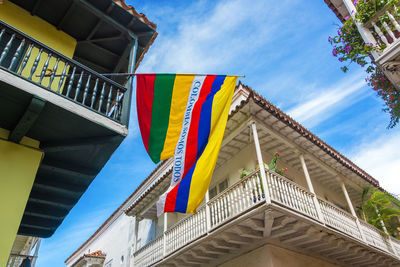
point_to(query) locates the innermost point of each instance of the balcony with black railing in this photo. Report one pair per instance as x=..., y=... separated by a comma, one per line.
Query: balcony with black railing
x=28, y=59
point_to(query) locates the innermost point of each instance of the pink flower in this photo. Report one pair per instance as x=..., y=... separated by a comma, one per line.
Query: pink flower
x=346, y=18
x=334, y=53
x=277, y=153
x=355, y=2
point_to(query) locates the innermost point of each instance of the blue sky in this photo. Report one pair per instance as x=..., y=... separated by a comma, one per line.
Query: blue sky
x=282, y=48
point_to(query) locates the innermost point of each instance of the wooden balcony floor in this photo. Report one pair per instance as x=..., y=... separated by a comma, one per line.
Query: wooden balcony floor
x=241, y=219
x=272, y=224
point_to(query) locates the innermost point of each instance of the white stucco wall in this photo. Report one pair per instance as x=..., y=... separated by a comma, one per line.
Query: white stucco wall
x=116, y=242
x=272, y=256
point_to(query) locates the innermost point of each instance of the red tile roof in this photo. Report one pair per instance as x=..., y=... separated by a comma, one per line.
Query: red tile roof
x=95, y=254
x=142, y=17
x=334, y=9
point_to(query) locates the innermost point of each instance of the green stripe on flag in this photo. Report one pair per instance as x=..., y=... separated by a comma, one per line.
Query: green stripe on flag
x=163, y=87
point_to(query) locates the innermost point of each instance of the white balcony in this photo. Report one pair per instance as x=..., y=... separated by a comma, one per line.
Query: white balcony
x=244, y=217
x=383, y=30
x=386, y=33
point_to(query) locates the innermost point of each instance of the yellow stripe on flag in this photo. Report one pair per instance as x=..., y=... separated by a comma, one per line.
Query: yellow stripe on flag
x=206, y=163
x=179, y=100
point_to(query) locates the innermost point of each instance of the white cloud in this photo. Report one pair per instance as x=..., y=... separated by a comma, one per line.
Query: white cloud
x=380, y=157
x=213, y=40
x=326, y=102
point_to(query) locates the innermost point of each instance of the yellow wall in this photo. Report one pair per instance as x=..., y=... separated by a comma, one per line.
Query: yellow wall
x=18, y=167
x=42, y=31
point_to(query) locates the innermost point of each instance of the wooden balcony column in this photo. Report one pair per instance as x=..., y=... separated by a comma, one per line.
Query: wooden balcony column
x=137, y=219
x=208, y=211
x=311, y=187
x=165, y=230
x=353, y=212
x=365, y=33
x=260, y=161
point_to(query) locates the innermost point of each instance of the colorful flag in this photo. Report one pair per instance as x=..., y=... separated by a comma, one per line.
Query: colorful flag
x=184, y=116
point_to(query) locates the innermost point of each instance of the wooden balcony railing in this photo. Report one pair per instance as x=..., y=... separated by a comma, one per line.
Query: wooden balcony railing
x=384, y=27
x=339, y=219
x=186, y=231
x=248, y=193
x=35, y=62
x=150, y=253
x=236, y=199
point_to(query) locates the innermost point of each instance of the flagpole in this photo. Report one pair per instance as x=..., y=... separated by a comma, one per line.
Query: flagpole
x=133, y=74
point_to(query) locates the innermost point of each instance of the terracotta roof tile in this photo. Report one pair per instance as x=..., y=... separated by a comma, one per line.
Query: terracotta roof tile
x=95, y=254
x=334, y=9
x=142, y=17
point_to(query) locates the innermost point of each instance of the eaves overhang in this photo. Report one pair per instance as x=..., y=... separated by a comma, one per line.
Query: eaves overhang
x=104, y=30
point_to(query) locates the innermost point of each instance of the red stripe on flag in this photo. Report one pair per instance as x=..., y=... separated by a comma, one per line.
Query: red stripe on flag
x=144, y=104
x=170, y=200
x=191, y=145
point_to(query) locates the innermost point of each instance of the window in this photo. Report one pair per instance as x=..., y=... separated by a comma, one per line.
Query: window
x=217, y=190
x=213, y=192
x=223, y=185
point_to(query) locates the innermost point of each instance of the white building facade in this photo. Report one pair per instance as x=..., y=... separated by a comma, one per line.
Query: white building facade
x=309, y=216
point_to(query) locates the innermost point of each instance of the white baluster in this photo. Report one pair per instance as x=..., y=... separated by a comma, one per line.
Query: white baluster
x=275, y=187
x=235, y=198
x=229, y=203
x=387, y=28
x=380, y=33
x=394, y=21
x=271, y=186
x=293, y=195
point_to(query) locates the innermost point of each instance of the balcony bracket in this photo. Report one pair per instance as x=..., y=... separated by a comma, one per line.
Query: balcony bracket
x=268, y=221
x=27, y=120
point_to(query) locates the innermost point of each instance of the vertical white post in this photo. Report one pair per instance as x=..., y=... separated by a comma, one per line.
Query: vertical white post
x=164, y=235
x=353, y=212
x=136, y=233
x=386, y=232
x=311, y=188
x=208, y=212
x=260, y=162
x=365, y=33
x=381, y=222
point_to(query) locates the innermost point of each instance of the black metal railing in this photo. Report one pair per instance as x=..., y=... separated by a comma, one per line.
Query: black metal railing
x=31, y=60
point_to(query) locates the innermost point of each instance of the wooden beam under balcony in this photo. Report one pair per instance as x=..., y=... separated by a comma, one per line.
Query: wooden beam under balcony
x=27, y=120
x=36, y=7
x=78, y=144
x=111, y=38
x=77, y=172
x=65, y=16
